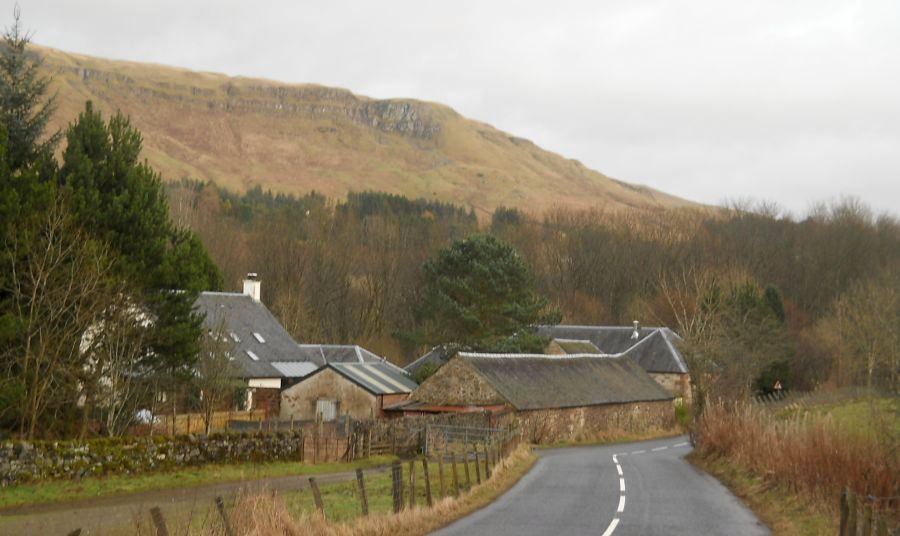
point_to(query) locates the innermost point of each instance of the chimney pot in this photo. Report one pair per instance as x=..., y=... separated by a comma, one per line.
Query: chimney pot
x=637, y=330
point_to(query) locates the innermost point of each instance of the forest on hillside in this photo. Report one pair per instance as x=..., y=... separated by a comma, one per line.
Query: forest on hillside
x=807, y=301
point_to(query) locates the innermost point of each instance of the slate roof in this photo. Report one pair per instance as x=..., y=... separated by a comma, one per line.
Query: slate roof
x=575, y=346
x=438, y=357
x=254, y=331
x=655, y=348
x=537, y=381
x=380, y=378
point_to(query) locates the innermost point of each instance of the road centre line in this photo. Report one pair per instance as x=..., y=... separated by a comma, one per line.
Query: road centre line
x=681, y=444
x=639, y=452
x=615, y=459
x=611, y=527
x=621, y=504
x=657, y=449
x=619, y=468
x=622, y=484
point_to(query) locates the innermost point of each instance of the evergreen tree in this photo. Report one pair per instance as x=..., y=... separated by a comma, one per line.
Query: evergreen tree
x=478, y=293
x=24, y=108
x=122, y=201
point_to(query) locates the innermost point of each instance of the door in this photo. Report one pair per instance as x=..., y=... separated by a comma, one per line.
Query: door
x=327, y=409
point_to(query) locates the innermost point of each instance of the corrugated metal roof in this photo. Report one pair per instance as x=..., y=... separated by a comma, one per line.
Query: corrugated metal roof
x=377, y=378
x=295, y=369
x=343, y=353
x=534, y=381
x=654, y=349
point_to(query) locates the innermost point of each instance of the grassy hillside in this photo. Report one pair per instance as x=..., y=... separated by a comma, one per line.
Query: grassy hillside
x=240, y=132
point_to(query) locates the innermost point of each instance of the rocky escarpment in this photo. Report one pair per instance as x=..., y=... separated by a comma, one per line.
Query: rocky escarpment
x=404, y=117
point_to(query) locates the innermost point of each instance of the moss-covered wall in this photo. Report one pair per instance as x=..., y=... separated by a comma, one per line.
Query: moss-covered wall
x=594, y=422
x=22, y=461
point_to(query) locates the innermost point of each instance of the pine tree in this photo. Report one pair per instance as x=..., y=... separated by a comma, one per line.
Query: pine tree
x=25, y=109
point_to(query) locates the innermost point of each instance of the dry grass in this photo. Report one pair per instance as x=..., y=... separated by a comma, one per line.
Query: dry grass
x=810, y=456
x=265, y=515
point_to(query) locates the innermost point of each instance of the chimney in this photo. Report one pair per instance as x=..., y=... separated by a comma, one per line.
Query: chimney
x=636, y=334
x=252, y=286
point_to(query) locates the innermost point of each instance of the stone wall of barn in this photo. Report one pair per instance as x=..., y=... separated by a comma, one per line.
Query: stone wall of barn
x=677, y=384
x=595, y=422
x=457, y=384
x=298, y=402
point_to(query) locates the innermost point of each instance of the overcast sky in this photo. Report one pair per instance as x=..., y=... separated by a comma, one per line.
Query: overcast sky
x=793, y=101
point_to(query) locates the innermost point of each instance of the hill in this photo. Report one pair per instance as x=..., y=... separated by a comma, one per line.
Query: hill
x=241, y=132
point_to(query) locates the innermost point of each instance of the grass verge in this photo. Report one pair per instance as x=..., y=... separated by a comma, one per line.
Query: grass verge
x=784, y=512
x=294, y=513
x=70, y=490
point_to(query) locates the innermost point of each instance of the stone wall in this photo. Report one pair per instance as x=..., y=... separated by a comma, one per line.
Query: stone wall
x=594, y=422
x=298, y=402
x=22, y=461
x=457, y=384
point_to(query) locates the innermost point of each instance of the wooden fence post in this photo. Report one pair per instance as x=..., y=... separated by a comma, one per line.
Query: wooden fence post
x=220, y=506
x=441, y=475
x=364, y=499
x=428, y=499
x=845, y=512
x=397, y=485
x=160, y=522
x=487, y=458
x=412, y=483
x=455, y=477
x=317, y=495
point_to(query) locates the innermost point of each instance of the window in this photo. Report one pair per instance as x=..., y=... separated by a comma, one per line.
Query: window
x=235, y=338
x=259, y=338
x=252, y=355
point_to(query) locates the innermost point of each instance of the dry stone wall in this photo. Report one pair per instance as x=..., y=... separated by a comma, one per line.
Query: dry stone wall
x=23, y=461
x=594, y=422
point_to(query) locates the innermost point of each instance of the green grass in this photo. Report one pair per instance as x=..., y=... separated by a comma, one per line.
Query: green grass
x=873, y=414
x=66, y=490
x=342, y=502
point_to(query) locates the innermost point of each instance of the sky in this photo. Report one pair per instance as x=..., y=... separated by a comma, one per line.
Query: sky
x=795, y=102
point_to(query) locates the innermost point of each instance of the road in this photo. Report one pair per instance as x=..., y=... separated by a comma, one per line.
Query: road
x=634, y=489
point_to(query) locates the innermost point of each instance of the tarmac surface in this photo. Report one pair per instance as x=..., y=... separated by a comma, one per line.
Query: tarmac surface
x=633, y=489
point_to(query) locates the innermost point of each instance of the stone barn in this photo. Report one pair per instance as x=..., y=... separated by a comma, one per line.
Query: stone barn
x=553, y=398
x=360, y=390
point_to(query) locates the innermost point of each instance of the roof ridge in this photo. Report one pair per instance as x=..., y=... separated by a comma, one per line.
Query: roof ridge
x=536, y=356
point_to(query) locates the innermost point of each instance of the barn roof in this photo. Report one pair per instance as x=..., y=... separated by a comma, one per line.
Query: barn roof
x=577, y=346
x=342, y=353
x=654, y=348
x=377, y=378
x=536, y=381
x=437, y=357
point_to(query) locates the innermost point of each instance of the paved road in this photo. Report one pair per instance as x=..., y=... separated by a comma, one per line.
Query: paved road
x=634, y=489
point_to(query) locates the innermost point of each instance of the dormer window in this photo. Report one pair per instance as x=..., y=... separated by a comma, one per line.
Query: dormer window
x=259, y=338
x=252, y=355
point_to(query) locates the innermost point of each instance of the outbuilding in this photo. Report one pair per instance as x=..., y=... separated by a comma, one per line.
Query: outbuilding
x=360, y=390
x=553, y=398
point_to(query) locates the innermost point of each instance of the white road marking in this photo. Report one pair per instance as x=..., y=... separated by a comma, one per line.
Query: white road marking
x=621, y=504
x=681, y=444
x=615, y=459
x=639, y=452
x=611, y=527
x=657, y=449
x=619, y=468
x=621, y=484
